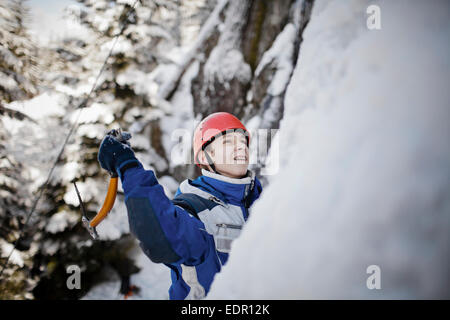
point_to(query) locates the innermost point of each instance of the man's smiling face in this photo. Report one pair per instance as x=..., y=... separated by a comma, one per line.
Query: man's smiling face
x=230, y=154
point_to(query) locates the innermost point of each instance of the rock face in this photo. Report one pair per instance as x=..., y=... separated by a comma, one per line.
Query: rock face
x=224, y=75
x=246, y=63
x=231, y=78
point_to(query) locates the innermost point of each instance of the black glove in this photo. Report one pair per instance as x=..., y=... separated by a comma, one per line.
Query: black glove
x=115, y=154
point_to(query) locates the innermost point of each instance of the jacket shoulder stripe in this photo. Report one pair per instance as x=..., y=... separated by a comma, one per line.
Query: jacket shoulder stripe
x=193, y=203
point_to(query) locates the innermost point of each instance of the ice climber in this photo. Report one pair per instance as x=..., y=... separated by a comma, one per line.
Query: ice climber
x=192, y=233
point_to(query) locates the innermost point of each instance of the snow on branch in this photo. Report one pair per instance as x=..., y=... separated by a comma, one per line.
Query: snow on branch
x=167, y=89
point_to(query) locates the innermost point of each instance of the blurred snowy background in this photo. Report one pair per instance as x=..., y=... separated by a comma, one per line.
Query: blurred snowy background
x=363, y=176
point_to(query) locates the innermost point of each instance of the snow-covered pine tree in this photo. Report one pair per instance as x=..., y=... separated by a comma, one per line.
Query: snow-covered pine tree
x=18, y=81
x=18, y=73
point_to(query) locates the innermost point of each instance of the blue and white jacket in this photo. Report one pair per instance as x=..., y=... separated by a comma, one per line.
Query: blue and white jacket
x=192, y=233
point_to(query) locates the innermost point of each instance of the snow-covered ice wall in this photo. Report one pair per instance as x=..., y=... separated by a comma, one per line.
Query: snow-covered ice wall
x=364, y=176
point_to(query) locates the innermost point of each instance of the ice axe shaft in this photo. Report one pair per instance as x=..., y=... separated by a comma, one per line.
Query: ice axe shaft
x=85, y=218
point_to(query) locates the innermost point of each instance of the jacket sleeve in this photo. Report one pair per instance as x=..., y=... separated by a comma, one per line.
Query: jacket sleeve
x=167, y=233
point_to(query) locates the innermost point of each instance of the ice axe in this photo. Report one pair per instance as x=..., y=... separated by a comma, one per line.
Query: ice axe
x=110, y=198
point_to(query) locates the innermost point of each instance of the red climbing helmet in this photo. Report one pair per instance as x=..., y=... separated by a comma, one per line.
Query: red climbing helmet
x=213, y=126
